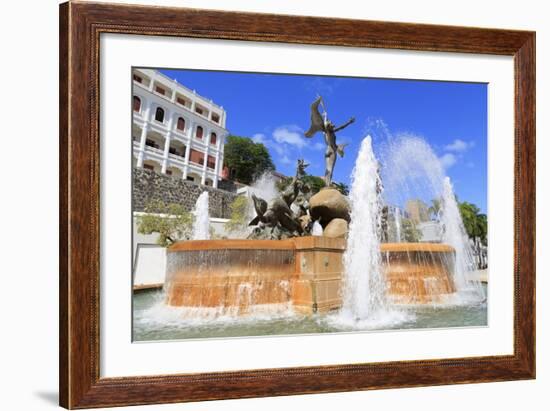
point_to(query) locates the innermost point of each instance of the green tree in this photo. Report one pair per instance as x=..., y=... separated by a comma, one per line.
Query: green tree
x=170, y=221
x=314, y=182
x=246, y=160
x=342, y=187
x=475, y=223
x=239, y=212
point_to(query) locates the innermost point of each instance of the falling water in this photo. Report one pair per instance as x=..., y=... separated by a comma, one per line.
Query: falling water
x=454, y=233
x=411, y=170
x=264, y=187
x=201, y=224
x=364, y=285
x=397, y=220
x=222, y=284
x=317, y=229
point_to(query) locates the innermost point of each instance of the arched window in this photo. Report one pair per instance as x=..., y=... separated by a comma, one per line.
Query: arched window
x=159, y=115
x=181, y=123
x=137, y=104
x=199, y=132
x=213, y=138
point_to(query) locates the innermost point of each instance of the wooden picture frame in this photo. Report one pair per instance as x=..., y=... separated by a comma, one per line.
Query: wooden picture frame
x=81, y=25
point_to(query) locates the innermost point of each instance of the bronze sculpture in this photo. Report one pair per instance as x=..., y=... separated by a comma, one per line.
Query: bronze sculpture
x=288, y=215
x=322, y=123
x=276, y=220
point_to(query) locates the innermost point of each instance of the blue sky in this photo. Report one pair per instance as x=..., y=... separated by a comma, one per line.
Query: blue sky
x=274, y=109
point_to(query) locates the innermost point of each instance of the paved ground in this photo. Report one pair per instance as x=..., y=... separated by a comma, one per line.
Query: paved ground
x=480, y=275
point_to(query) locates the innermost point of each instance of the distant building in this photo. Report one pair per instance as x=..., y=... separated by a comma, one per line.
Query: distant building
x=175, y=131
x=279, y=177
x=417, y=211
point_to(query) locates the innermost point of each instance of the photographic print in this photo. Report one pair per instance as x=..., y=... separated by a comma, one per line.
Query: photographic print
x=276, y=204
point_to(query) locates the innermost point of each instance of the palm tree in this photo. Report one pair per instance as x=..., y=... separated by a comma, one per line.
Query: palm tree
x=474, y=222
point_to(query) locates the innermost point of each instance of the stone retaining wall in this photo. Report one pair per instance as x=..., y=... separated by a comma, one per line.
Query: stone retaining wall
x=150, y=186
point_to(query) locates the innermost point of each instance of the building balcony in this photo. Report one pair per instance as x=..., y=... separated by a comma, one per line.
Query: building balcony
x=177, y=159
x=181, y=135
x=142, y=85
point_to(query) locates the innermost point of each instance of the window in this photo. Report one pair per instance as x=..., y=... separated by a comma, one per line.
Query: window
x=190, y=178
x=213, y=138
x=159, y=115
x=199, y=132
x=169, y=172
x=137, y=104
x=196, y=157
x=177, y=152
x=181, y=123
x=199, y=110
x=151, y=143
x=148, y=167
x=138, y=78
x=181, y=101
x=160, y=90
x=211, y=162
x=215, y=118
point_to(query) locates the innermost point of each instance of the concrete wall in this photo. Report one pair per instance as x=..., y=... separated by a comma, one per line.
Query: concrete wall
x=149, y=259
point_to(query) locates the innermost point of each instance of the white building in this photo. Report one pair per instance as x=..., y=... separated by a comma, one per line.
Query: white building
x=175, y=131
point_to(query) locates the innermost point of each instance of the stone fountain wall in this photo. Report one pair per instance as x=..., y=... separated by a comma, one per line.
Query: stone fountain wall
x=306, y=272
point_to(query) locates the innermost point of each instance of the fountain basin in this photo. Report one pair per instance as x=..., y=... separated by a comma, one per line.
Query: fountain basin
x=305, y=272
x=229, y=273
x=418, y=273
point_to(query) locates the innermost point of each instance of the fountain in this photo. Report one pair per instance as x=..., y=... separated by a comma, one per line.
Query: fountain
x=455, y=234
x=418, y=273
x=201, y=223
x=322, y=253
x=397, y=222
x=364, y=288
x=412, y=170
x=230, y=276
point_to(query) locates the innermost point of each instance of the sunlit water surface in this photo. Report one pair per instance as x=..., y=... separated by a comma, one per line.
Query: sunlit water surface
x=152, y=320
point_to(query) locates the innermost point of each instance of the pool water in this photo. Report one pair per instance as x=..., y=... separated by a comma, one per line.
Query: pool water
x=153, y=320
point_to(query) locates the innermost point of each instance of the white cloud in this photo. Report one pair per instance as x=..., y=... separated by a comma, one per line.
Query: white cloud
x=459, y=146
x=448, y=160
x=285, y=140
x=259, y=138
x=291, y=135
x=285, y=160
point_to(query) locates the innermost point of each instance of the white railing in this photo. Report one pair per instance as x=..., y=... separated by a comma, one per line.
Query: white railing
x=176, y=159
